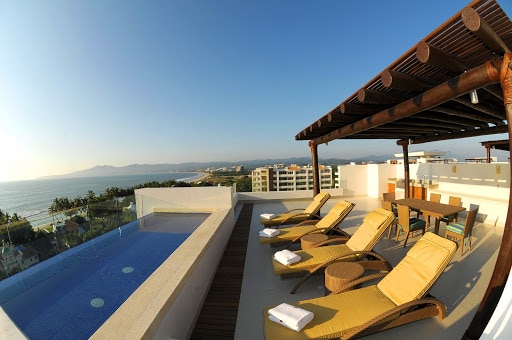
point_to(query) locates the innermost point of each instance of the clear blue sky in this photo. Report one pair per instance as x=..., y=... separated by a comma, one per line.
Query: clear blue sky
x=118, y=82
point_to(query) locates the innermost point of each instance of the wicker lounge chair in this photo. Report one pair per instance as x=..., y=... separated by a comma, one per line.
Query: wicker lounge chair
x=401, y=297
x=327, y=224
x=298, y=215
x=352, y=248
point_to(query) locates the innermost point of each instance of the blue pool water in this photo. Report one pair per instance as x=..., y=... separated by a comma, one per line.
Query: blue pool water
x=96, y=279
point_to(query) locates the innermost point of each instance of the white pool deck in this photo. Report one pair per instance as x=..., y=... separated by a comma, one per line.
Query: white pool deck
x=461, y=287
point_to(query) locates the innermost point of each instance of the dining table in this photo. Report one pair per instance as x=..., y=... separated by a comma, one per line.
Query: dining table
x=434, y=209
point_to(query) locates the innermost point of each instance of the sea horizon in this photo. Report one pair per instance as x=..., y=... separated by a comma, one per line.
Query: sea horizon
x=31, y=197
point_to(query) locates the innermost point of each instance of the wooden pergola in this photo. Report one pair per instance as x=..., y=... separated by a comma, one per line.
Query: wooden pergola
x=495, y=144
x=454, y=83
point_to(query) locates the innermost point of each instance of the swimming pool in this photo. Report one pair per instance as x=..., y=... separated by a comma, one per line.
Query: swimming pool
x=97, y=278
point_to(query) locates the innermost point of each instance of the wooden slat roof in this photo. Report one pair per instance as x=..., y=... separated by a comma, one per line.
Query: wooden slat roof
x=477, y=34
x=497, y=144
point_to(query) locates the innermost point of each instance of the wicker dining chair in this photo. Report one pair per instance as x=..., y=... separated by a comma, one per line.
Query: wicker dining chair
x=461, y=231
x=407, y=223
x=456, y=201
x=434, y=197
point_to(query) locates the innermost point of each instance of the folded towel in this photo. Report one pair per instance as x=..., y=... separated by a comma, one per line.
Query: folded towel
x=269, y=232
x=267, y=216
x=286, y=257
x=290, y=316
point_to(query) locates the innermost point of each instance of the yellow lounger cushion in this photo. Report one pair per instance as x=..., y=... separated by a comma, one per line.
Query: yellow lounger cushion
x=365, y=237
x=337, y=213
x=420, y=268
x=312, y=257
x=287, y=234
x=336, y=315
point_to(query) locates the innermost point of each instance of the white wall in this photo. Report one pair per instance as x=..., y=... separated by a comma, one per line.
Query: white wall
x=484, y=184
x=182, y=199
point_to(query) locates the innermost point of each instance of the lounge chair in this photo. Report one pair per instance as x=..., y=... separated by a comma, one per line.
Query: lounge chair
x=298, y=215
x=401, y=297
x=351, y=248
x=325, y=225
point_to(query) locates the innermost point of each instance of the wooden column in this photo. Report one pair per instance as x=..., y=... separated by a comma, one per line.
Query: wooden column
x=488, y=154
x=316, y=174
x=504, y=261
x=405, y=149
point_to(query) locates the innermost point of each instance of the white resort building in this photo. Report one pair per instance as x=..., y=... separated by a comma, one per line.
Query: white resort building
x=289, y=178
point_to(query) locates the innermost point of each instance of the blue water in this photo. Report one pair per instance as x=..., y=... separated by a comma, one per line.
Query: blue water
x=97, y=278
x=31, y=197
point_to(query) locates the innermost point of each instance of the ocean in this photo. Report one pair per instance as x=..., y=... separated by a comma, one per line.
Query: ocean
x=31, y=197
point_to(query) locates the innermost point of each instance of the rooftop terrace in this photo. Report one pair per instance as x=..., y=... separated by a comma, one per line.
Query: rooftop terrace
x=461, y=287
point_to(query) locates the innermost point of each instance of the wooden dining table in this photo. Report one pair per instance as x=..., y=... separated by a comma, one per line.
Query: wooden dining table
x=434, y=209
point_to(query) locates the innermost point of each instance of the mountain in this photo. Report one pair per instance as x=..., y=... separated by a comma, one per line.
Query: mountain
x=135, y=169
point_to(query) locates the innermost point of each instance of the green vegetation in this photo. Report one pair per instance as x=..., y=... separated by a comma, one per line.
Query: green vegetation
x=81, y=219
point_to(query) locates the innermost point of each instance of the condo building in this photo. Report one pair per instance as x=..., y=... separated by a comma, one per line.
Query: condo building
x=289, y=178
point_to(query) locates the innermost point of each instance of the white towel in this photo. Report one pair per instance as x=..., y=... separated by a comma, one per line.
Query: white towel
x=269, y=232
x=267, y=216
x=286, y=257
x=290, y=316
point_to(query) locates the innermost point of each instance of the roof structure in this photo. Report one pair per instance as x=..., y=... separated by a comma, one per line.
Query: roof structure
x=496, y=144
x=425, y=94
x=428, y=94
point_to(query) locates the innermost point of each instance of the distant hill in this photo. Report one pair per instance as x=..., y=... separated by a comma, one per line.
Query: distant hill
x=135, y=169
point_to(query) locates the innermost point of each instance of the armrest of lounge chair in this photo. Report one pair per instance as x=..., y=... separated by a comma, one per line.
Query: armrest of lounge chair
x=303, y=223
x=359, y=281
x=380, y=264
x=414, y=310
x=285, y=222
x=292, y=210
x=338, y=239
x=321, y=230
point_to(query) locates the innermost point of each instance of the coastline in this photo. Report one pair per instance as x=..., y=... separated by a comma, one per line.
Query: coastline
x=202, y=177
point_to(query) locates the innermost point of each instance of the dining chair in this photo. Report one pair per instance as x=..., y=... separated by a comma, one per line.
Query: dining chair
x=460, y=231
x=389, y=206
x=407, y=223
x=388, y=196
x=432, y=198
x=456, y=201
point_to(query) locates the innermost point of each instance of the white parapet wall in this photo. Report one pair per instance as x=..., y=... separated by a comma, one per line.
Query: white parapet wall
x=484, y=184
x=182, y=199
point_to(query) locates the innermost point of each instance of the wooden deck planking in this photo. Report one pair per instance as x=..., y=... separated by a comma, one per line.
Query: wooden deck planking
x=217, y=319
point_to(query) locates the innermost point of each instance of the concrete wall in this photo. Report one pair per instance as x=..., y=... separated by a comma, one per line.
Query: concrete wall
x=366, y=180
x=186, y=199
x=261, y=197
x=484, y=184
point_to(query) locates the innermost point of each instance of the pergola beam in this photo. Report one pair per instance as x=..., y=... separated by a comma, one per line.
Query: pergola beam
x=433, y=56
x=403, y=81
x=476, y=24
x=463, y=134
x=469, y=115
x=477, y=77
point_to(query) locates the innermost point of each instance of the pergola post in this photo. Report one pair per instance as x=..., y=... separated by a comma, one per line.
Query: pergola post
x=316, y=175
x=504, y=261
x=405, y=149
